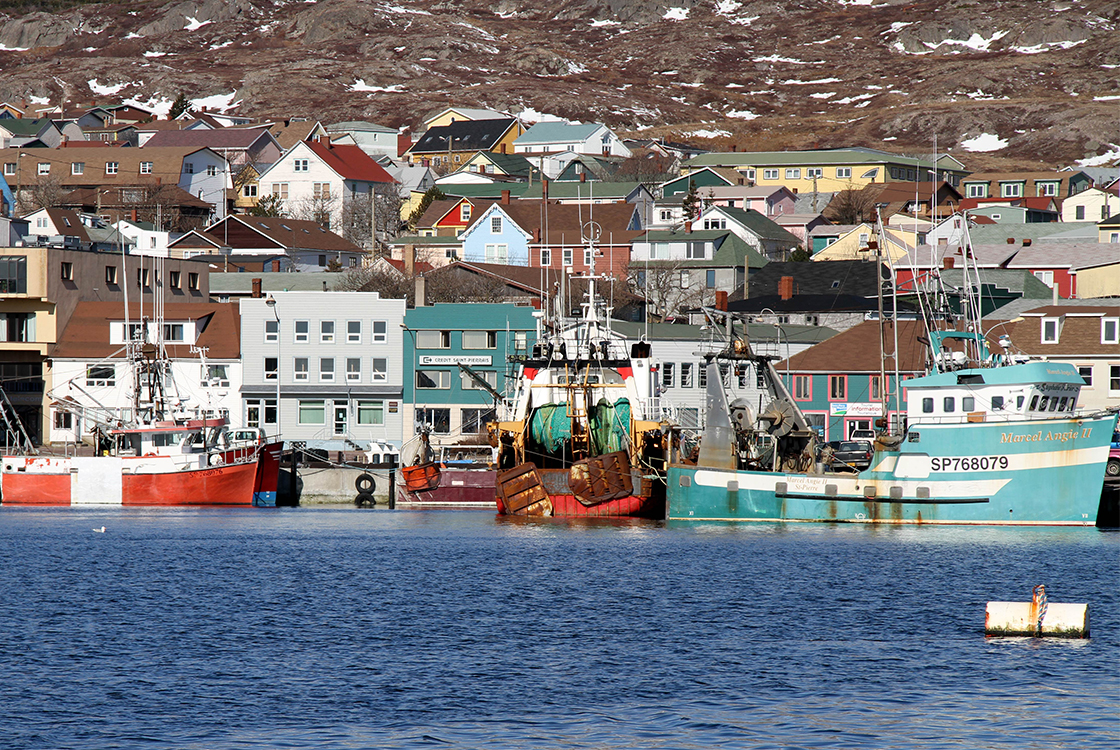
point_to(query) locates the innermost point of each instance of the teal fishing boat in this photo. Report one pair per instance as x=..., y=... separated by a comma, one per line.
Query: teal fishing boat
x=1020, y=455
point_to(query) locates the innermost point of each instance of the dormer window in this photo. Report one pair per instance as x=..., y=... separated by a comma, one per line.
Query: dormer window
x=1051, y=330
x=1110, y=330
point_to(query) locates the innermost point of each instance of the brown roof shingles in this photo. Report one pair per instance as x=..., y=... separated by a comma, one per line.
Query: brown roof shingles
x=86, y=336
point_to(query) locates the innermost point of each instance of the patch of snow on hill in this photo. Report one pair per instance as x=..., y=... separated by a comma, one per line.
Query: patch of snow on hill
x=193, y=24
x=727, y=7
x=707, y=134
x=974, y=42
x=360, y=85
x=742, y=114
x=1103, y=160
x=152, y=53
x=220, y=102
x=676, y=14
x=984, y=142
x=1105, y=98
x=789, y=60
x=1045, y=47
x=605, y=22
x=6, y=48
x=528, y=114
x=795, y=82
x=102, y=90
x=157, y=105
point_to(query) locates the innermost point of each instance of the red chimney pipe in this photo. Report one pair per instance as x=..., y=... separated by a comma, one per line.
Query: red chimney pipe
x=785, y=287
x=505, y=198
x=257, y=289
x=721, y=301
x=947, y=261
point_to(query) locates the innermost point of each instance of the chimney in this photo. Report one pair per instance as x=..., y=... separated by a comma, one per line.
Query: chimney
x=276, y=266
x=741, y=181
x=947, y=261
x=425, y=162
x=785, y=287
x=583, y=176
x=503, y=148
x=746, y=278
x=536, y=302
x=409, y=260
x=1054, y=293
x=734, y=148
x=721, y=301
x=544, y=188
x=688, y=227
x=1026, y=243
x=1010, y=240
x=133, y=212
x=505, y=198
x=536, y=234
x=256, y=289
x=421, y=292
x=324, y=286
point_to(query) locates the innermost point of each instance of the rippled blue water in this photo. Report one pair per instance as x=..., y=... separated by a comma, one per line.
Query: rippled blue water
x=333, y=628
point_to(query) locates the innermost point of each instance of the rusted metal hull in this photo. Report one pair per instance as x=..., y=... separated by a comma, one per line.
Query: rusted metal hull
x=458, y=488
x=526, y=490
x=1032, y=474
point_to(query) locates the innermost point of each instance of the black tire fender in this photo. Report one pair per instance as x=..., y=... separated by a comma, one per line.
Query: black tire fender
x=364, y=483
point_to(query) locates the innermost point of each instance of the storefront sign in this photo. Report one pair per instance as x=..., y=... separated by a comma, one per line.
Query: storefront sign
x=842, y=409
x=443, y=359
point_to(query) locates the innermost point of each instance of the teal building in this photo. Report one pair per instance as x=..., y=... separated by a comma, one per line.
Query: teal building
x=437, y=340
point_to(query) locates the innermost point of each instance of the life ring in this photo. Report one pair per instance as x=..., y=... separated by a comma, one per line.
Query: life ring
x=216, y=460
x=364, y=500
x=364, y=484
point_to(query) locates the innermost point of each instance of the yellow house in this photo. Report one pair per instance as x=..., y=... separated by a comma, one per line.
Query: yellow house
x=1109, y=230
x=458, y=114
x=448, y=147
x=1100, y=278
x=857, y=244
x=829, y=170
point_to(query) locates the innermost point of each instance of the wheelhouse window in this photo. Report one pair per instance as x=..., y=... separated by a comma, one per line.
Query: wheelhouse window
x=667, y=375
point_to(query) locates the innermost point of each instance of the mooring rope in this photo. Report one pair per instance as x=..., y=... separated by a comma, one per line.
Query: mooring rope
x=1040, y=602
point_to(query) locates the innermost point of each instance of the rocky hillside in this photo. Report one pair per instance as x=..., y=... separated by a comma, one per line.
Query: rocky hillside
x=997, y=82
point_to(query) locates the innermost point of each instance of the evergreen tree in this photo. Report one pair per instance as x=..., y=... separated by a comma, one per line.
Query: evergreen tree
x=691, y=204
x=182, y=104
x=433, y=194
x=270, y=205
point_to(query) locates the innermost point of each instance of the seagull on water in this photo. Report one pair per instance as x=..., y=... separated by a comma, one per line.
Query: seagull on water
x=101, y=530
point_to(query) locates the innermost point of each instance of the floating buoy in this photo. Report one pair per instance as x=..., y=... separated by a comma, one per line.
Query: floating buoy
x=1038, y=617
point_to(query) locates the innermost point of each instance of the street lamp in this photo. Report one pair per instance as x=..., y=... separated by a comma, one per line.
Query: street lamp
x=778, y=326
x=271, y=302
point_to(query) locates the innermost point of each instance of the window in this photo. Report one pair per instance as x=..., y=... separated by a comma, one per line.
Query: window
x=714, y=224
x=1113, y=378
x=587, y=259
x=667, y=375
x=997, y=403
x=686, y=374
x=67, y=271
x=474, y=421
x=280, y=190
x=353, y=332
x=567, y=257
x=271, y=368
x=1046, y=277
x=1110, y=330
x=665, y=214
x=9, y=168
x=1050, y=330
x=188, y=167
x=249, y=191
x=546, y=258
x=685, y=280
x=300, y=165
x=215, y=376
x=211, y=170
x=112, y=167
x=694, y=250
x=353, y=369
x=111, y=275
x=465, y=212
x=949, y=404
x=433, y=379
x=1079, y=213
x=44, y=168
x=863, y=239
x=321, y=190
x=968, y=403
x=326, y=332
x=467, y=383
x=371, y=412
x=659, y=251
x=192, y=281
x=498, y=253
x=843, y=173
x=837, y=387
x=78, y=167
x=145, y=167
x=793, y=174
x=379, y=336
x=495, y=224
x=301, y=368
x=874, y=387
x=63, y=420
x=433, y=339
x=312, y=412
x=322, y=260
x=977, y=190
x=770, y=174
x=173, y=280
x=173, y=332
x=480, y=339
x=1086, y=373
x=13, y=274
x=439, y=419
x=702, y=374
x=996, y=217
x=813, y=172
x=803, y=387
x=101, y=375
x=303, y=329
x=927, y=406
x=1011, y=190
x=326, y=369
x=1047, y=189
x=143, y=277
x=380, y=369
x=272, y=330
x=710, y=278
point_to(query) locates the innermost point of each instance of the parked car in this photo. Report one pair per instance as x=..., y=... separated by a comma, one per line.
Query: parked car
x=848, y=454
x=862, y=435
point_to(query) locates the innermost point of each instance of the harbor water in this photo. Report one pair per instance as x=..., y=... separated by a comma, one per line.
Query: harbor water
x=343, y=628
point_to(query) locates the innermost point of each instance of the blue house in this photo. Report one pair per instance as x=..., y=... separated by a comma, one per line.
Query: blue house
x=496, y=238
x=438, y=338
x=838, y=383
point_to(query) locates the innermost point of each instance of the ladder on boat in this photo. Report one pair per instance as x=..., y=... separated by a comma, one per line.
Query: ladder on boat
x=14, y=432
